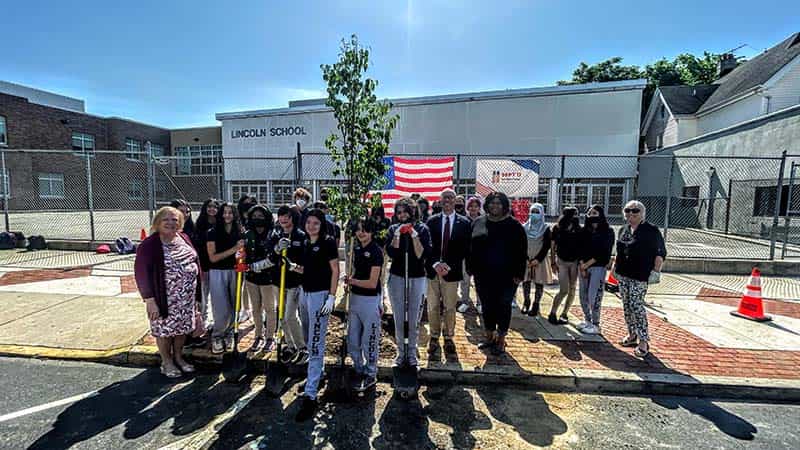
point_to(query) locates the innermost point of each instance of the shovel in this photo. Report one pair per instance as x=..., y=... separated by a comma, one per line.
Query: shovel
x=235, y=365
x=277, y=372
x=339, y=384
x=405, y=375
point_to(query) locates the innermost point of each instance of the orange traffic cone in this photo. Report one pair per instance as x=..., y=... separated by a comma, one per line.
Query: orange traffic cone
x=750, y=306
x=142, y=235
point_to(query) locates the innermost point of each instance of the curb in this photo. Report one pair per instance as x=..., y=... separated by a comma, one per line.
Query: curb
x=583, y=381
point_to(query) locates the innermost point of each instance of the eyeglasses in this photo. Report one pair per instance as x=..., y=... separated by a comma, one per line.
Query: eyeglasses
x=632, y=210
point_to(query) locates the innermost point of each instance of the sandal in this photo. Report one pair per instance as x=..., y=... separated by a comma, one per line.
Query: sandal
x=629, y=343
x=171, y=372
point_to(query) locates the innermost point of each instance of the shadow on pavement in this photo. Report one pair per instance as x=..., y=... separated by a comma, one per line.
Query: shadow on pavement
x=142, y=403
x=725, y=421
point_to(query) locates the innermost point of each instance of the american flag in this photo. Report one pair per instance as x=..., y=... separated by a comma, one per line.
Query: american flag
x=405, y=176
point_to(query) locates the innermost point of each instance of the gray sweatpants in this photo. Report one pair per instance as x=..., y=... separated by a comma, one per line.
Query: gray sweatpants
x=223, y=296
x=364, y=333
x=205, y=298
x=591, y=293
x=292, y=328
x=315, y=327
x=416, y=289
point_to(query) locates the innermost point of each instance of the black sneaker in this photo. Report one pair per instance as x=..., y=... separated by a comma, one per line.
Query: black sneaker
x=301, y=358
x=287, y=355
x=556, y=321
x=307, y=410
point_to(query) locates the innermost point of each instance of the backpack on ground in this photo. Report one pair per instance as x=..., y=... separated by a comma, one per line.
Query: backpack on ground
x=7, y=241
x=20, y=239
x=37, y=243
x=124, y=246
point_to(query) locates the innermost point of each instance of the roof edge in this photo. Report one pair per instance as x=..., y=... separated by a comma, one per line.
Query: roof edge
x=586, y=88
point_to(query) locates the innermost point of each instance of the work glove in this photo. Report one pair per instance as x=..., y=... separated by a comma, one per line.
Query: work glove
x=282, y=245
x=654, y=278
x=328, y=306
x=414, y=233
x=259, y=266
x=397, y=232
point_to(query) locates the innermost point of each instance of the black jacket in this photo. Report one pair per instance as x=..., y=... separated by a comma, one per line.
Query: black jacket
x=499, y=251
x=597, y=245
x=457, y=250
x=636, y=256
x=257, y=248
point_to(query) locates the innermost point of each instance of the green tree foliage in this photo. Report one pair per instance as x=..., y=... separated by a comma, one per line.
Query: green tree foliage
x=608, y=70
x=364, y=131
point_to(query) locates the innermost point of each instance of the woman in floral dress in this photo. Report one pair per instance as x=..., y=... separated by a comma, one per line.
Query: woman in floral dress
x=166, y=269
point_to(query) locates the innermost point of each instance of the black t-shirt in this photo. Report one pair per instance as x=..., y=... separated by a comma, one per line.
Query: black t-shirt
x=416, y=266
x=223, y=241
x=316, y=264
x=637, y=251
x=364, y=259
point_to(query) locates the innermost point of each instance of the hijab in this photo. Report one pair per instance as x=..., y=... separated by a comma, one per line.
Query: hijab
x=535, y=228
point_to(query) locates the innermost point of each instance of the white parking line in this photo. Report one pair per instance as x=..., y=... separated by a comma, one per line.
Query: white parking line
x=55, y=404
x=204, y=438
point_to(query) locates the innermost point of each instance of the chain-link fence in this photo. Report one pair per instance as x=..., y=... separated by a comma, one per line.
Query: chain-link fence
x=707, y=207
x=98, y=196
x=723, y=207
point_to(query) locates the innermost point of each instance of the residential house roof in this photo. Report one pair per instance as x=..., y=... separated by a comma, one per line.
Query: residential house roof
x=686, y=99
x=754, y=72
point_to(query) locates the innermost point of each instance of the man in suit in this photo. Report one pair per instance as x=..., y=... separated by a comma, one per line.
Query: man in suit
x=450, y=236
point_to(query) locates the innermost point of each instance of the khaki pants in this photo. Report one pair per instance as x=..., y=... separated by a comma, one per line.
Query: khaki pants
x=262, y=299
x=440, y=291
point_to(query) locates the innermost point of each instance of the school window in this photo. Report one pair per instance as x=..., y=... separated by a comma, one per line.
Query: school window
x=282, y=193
x=690, y=196
x=765, y=197
x=255, y=189
x=157, y=149
x=3, y=139
x=133, y=149
x=83, y=143
x=198, y=160
x=5, y=185
x=135, y=190
x=51, y=185
x=466, y=187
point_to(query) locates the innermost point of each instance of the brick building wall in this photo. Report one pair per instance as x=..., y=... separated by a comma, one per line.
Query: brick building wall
x=114, y=177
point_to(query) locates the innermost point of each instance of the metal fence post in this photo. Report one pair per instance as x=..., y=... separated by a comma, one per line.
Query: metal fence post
x=90, y=194
x=668, y=205
x=560, y=185
x=787, y=221
x=298, y=167
x=151, y=181
x=6, y=188
x=728, y=207
x=776, y=216
x=458, y=171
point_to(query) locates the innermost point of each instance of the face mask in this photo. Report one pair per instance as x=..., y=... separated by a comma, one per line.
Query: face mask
x=329, y=217
x=258, y=223
x=535, y=217
x=301, y=203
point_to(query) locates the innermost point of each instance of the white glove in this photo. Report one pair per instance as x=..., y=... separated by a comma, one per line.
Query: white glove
x=414, y=233
x=397, y=233
x=293, y=267
x=259, y=266
x=282, y=245
x=328, y=306
x=654, y=278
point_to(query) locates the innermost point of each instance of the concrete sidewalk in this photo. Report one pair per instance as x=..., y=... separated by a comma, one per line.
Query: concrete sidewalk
x=697, y=347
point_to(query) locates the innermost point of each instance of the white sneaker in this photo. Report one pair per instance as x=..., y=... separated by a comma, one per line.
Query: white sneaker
x=217, y=346
x=582, y=327
x=244, y=316
x=480, y=310
x=462, y=308
x=591, y=329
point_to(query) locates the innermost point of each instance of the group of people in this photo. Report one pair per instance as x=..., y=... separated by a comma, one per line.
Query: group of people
x=185, y=265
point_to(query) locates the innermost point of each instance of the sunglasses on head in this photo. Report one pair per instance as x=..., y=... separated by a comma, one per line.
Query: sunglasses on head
x=632, y=210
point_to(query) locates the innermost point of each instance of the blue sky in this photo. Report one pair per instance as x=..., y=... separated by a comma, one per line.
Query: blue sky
x=176, y=64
